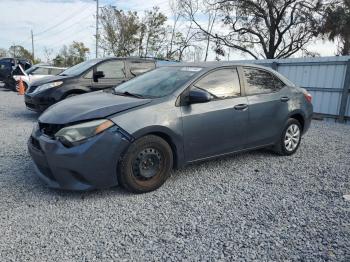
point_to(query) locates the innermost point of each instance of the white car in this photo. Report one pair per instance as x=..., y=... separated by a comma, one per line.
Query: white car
x=37, y=72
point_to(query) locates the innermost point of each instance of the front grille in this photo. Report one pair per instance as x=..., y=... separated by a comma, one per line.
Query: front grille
x=35, y=143
x=50, y=129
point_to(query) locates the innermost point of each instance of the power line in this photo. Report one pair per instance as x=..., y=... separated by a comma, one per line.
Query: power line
x=70, y=36
x=53, y=34
x=72, y=15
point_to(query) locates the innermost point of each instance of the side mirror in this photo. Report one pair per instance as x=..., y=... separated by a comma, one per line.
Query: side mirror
x=196, y=96
x=97, y=75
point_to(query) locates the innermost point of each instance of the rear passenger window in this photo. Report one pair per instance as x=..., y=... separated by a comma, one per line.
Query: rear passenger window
x=261, y=82
x=112, y=69
x=222, y=83
x=138, y=68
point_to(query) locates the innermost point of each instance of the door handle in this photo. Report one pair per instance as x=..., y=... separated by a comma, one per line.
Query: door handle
x=284, y=99
x=241, y=107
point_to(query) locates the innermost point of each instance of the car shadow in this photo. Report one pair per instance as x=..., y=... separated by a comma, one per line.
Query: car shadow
x=237, y=157
x=24, y=114
x=34, y=186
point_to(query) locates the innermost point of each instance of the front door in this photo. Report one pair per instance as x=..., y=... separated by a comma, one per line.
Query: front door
x=218, y=126
x=114, y=74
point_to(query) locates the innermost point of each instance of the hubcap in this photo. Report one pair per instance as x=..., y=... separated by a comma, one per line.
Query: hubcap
x=147, y=164
x=292, y=137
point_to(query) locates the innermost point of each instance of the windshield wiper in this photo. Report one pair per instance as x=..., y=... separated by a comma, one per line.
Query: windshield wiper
x=126, y=93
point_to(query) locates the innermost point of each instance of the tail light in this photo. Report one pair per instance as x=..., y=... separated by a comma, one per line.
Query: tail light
x=308, y=97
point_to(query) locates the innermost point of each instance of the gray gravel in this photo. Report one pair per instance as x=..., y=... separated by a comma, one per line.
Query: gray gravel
x=252, y=206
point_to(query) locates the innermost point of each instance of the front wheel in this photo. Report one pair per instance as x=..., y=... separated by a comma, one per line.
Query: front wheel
x=146, y=165
x=290, y=139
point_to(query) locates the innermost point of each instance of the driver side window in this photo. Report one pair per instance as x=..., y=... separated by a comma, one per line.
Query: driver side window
x=222, y=83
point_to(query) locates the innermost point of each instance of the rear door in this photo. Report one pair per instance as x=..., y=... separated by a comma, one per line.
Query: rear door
x=268, y=105
x=114, y=74
x=218, y=126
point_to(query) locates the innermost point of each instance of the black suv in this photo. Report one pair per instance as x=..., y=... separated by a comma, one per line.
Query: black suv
x=88, y=76
x=9, y=67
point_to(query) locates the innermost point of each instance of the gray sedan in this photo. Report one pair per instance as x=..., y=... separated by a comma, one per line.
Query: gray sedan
x=172, y=116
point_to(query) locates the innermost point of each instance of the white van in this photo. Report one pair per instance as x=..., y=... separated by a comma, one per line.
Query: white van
x=37, y=72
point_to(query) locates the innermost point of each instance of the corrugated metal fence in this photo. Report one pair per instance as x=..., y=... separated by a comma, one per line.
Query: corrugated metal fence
x=326, y=78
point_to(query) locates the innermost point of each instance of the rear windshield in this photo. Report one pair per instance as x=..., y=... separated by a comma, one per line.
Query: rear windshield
x=159, y=82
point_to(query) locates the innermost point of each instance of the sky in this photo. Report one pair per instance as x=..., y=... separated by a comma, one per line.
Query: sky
x=58, y=22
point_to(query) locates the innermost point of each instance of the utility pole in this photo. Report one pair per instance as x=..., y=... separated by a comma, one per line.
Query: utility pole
x=97, y=9
x=31, y=31
x=14, y=50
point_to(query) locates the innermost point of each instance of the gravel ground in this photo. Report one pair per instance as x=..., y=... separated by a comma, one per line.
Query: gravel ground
x=251, y=206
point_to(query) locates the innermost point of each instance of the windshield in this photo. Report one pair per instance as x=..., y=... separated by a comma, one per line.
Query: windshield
x=79, y=68
x=159, y=82
x=31, y=70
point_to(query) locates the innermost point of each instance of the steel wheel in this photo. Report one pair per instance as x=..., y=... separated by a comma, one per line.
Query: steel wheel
x=292, y=137
x=147, y=164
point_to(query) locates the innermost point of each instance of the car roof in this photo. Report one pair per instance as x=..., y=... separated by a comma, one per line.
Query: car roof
x=133, y=58
x=48, y=66
x=215, y=64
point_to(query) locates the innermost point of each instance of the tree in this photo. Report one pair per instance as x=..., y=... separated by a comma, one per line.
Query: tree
x=18, y=51
x=180, y=38
x=126, y=34
x=48, y=54
x=337, y=25
x=153, y=32
x=71, y=55
x=78, y=52
x=59, y=61
x=260, y=28
x=3, y=52
x=119, y=34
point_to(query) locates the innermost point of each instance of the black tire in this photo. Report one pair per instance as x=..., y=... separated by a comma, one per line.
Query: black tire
x=280, y=147
x=146, y=165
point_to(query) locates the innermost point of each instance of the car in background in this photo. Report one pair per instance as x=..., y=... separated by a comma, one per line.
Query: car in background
x=10, y=67
x=167, y=118
x=88, y=76
x=36, y=72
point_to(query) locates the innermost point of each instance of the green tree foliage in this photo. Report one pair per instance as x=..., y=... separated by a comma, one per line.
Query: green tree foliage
x=153, y=32
x=119, y=32
x=71, y=55
x=19, y=51
x=337, y=25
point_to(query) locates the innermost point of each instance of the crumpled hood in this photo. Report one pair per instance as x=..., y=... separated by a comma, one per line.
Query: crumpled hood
x=89, y=106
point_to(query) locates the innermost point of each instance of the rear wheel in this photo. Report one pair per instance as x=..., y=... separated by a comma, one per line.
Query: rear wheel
x=146, y=165
x=290, y=138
